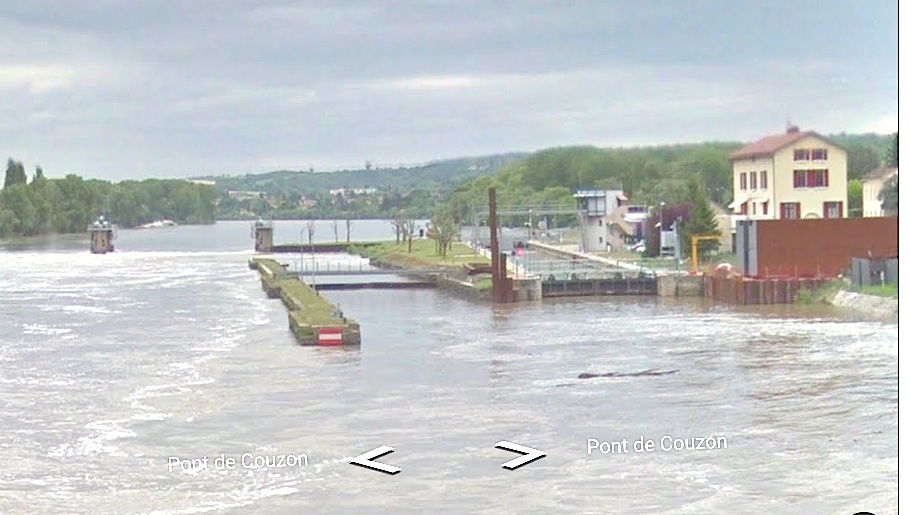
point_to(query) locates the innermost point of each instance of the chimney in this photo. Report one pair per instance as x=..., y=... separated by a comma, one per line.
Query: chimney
x=791, y=128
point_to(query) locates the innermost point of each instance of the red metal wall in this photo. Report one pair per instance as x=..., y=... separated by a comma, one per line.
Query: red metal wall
x=822, y=247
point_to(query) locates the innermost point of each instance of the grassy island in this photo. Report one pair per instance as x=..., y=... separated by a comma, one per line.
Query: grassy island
x=423, y=253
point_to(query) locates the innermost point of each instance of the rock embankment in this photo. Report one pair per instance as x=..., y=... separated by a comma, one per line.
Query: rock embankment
x=872, y=305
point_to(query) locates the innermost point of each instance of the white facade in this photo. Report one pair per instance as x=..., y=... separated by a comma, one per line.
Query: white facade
x=594, y=207
x=871, y=189
x=789, y=176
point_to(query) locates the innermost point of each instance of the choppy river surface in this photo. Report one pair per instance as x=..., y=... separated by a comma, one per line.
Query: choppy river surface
x=114, y=367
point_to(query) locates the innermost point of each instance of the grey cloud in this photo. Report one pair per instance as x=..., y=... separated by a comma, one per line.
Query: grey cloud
x=117, y=89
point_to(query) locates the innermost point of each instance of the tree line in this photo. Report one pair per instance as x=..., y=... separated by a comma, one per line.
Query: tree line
x=68, y=205
x=684, y=179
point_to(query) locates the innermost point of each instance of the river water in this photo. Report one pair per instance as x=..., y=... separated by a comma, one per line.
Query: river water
x=115, y=366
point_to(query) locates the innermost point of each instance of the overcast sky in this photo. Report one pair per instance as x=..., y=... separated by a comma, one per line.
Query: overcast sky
x=119, y=89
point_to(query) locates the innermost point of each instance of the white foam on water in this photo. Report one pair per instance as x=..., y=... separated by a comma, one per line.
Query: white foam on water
x=242, y=497
x=45, y=330
x=105, y=431
x=151, y=416
x=87, y=309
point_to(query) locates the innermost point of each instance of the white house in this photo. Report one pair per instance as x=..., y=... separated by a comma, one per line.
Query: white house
x=797, y=174
x=872, y=185
x=602, y=229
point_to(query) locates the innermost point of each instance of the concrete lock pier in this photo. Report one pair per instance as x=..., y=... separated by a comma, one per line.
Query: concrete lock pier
x=101, y=234
x=680, y=285
x=264, y=235
x=312, y=319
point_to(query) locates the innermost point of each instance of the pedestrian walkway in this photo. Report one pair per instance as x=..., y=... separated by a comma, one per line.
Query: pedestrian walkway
x=571, y=252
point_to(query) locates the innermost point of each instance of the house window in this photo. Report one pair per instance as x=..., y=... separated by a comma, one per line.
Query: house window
x=753, y=206
x=763, y=179
x=833, y=209
x=810, y=179
x=821, y=178
x=743, y=184
x=819, y=154
x=743, y=209
x=753, y=177
x=600, y=222
x=601, y=239
x=800, y=154
x=764, y=204
x=790, y=210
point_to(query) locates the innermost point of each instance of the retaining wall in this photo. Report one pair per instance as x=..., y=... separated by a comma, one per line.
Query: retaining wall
x=304, y=330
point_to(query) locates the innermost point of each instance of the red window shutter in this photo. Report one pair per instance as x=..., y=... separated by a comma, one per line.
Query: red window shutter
x=765, y=207
x=795, y=179
x=826, y=178
x=798, y=210
x=812, y=178
x=839, y=207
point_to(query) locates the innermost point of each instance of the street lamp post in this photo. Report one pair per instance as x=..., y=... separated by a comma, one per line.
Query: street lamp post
x=301, y=249
x=529, y=225
x=662, y=249
x=312, y=249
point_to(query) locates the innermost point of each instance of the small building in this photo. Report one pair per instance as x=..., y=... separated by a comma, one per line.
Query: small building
x=723, y=223
x=264, y=235
x=101, y=234
x=602, y=225
x=794, y=175
x=872, y=185
x=636, y=219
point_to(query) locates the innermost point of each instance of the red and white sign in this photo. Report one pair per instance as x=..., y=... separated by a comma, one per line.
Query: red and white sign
x=330, y=336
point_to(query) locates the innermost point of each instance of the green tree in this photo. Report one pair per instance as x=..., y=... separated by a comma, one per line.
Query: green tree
x=890, y=195
x=16, y=198
x=67, y=205
x=854, y=198
x=893, y=152
x=15, y=174
x=702, y=220
x=861, y=160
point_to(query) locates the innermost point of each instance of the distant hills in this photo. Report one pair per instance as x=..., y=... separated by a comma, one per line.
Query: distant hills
x=866, y=151
x=648, y=174
x=442, y=174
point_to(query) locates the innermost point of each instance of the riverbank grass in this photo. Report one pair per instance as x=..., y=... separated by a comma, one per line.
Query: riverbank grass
x=890, y=291
x=821, y=295
x=422, y=255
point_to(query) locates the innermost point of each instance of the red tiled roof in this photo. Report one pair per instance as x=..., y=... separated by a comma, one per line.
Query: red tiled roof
x=769, y=145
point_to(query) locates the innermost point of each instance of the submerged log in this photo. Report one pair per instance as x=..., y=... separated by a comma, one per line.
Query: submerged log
x=651, y=372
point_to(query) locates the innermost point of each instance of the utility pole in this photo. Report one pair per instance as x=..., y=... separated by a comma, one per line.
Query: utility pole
x=500, y=283
x=301, y=249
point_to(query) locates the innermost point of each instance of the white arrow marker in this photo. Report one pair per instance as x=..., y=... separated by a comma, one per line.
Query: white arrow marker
x=365, y=460
x=530, y=454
